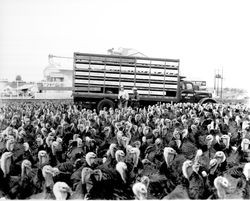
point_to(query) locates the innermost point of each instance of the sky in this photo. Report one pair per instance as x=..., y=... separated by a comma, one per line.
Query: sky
x=205, y=35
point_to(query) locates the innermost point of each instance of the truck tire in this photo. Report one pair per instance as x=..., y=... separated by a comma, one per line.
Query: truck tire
x=105, y=103
x=207, y=100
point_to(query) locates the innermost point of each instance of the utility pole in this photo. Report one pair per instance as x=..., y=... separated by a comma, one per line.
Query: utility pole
x=218, y=83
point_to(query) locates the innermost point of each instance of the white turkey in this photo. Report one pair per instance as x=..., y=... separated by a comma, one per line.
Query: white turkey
x=61, y=191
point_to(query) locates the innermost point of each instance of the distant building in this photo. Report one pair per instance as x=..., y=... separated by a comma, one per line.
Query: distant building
x=125, y=52
x=58, y=79
x=17, y=89
x=58, y=73
x=3, y=83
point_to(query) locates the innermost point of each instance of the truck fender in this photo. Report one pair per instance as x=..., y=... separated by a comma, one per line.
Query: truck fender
x=105, y=103
x=207, y=100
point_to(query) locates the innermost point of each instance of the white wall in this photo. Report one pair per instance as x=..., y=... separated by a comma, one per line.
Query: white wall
x=54, y=95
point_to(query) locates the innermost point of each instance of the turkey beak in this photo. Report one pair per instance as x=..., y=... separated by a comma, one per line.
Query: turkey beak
x=51, y=172
x=55, y=172
x=28, y=167
x=67, y=190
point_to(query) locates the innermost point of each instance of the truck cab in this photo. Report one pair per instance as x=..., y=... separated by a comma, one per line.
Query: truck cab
x=188, y=93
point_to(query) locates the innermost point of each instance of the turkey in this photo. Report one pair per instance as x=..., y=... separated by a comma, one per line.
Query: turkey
x=84, y=185
x=75, y=150
x=180, y=151
x=11, y=182
x=2, y=193
x=179, y=193
x=232, y=184
x=154, y=152
x=110, y=183
x=119, y=156
x=110, y=158
x=43, y=159
x=246, y=172
x=28, y=153
x=233, y=156
x=91, y=161
x=245, y=151
x=169, y=155
x=238, y=180
x=18, y=150
x=133, y=161
x=172, y=167
x=159, y=184
x=181, y=190
x=56, y=153
x=210, y=151
x=203, y=160
x=48, y=173
x=196, y=183
x=140, y=191
x=61, y=191
x=222, y=187
x=188, y=148
x=63, y=172
x=221, y=162
x=28, y=183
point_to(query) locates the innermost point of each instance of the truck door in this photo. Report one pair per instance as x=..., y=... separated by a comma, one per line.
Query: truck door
x=187, y=92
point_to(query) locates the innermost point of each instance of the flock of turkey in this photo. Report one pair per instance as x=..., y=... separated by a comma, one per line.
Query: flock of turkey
x=170, y=151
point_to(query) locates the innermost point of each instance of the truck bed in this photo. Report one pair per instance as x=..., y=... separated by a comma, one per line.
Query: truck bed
x=103, y=74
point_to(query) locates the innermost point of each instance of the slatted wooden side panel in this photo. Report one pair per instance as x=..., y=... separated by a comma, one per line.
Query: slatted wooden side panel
x=151, y=76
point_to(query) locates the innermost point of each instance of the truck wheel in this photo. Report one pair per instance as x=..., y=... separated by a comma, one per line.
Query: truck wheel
x=207, y=100
x=105, y=103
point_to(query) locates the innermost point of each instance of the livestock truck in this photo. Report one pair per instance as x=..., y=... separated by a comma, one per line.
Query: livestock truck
x=98, y=77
